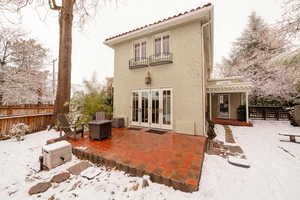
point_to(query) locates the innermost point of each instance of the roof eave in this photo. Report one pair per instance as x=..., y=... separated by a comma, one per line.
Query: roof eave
x=156, y=27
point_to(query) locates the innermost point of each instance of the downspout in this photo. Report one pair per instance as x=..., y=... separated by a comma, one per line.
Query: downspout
x=149, y=95
x=203, y=75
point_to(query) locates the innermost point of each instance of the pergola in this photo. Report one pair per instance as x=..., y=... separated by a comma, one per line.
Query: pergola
x=229, y=87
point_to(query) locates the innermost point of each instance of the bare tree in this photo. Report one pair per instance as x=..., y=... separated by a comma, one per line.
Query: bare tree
x=7, y=38
x=28, y=54
x=290, y=22
x=24, y=86
x=83, y=9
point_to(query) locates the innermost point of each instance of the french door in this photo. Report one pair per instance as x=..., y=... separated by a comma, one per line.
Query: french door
x=152, y=108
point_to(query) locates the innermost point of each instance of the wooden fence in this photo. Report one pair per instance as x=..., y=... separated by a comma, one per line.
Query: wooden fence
x=36, y=122
x=25, y=110
x=267, y=112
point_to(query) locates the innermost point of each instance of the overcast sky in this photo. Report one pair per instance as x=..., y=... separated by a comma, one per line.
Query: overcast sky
x=90, y=55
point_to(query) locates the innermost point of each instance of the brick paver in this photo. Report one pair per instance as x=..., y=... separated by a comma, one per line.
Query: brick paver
x=231, y=122
x=228, y=135
x=220, y=149
x=172, y=159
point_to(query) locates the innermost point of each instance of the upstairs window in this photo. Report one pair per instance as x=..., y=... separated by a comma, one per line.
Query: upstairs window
x=143, y=51
x=166, y=46
x=137, y=54
x=162, y=45
x=157, y=46
x=140, y=51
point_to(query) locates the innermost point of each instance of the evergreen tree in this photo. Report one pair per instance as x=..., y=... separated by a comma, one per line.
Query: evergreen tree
x=253, y=57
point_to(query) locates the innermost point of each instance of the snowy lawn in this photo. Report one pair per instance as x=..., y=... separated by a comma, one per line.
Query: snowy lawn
x=274, y=173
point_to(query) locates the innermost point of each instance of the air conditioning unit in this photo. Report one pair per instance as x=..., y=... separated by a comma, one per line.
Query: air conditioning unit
x=56, y=154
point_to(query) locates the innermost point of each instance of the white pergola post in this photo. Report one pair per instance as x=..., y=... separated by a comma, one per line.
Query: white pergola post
x=210, y=115
x=247, y=109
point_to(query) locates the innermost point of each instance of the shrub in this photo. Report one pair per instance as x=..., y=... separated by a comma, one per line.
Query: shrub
x=91, y=99
x=19, y=130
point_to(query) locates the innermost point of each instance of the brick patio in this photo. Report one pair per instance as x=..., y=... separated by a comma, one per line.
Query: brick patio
x=232, y=122
x=171, y=159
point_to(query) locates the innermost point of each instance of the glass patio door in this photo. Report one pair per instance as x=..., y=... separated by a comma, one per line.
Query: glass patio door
x=144, y=111
x=140, y=108
x=152, y=108
x=135, y=116
x=155, y=109
x=161, y=112
x=166, y=109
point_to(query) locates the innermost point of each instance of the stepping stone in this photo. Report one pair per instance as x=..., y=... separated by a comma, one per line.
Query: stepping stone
x=60, y=177
x=90, y=173
x=238, y=162
x=79, y=167
x=39, y=188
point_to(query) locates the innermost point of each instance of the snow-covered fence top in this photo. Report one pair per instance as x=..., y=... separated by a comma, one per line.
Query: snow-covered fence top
x=27, y=109
x=36, y=122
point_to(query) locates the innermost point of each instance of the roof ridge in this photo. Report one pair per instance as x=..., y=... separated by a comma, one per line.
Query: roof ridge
x=159, y=21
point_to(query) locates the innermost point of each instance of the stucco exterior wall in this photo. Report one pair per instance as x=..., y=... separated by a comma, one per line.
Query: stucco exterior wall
x=184, y=76
x=235, y=102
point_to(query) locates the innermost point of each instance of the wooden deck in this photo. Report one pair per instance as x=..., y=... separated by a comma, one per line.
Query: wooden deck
x=171, y=159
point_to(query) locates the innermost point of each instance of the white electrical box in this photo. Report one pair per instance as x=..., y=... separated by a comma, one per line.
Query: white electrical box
x=56, y=154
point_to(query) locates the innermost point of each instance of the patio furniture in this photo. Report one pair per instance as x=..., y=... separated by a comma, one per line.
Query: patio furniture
x=118, y=122
x=56, y=154
x=211, y=132
x=100, y=116
x=71, y=130
x=292, y=136
x=210, y=135
x=100, y=130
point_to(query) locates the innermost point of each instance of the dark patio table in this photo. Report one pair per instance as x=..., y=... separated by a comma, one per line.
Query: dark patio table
x=100, y=130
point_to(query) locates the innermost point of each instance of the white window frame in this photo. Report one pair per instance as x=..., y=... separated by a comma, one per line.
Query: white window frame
x=149, y=124
x=161, y=36
x=140, y=42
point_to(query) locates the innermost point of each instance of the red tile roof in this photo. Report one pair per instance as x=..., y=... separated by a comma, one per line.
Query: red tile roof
x=160, y=21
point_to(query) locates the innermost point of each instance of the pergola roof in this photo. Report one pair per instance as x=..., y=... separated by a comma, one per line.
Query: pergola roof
x=229, y=88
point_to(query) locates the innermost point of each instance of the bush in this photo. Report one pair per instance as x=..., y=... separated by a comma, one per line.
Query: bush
x=91, y=99
x=18, y=131
x=266, y=101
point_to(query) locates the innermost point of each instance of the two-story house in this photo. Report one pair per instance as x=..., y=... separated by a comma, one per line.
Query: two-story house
x=162, y=72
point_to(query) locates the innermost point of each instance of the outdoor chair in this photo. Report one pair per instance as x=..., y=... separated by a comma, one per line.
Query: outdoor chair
x=211, y=134
x=100, y=116
x=70, y=130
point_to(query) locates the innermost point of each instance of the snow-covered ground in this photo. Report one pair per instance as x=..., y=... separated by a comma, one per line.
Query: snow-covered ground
x=274, y=173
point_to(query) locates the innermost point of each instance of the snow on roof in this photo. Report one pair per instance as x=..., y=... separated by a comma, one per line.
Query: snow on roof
x=158, y=22
x=55, y=146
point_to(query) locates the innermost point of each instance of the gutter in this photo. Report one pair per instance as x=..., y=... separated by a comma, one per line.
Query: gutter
x=203, y=76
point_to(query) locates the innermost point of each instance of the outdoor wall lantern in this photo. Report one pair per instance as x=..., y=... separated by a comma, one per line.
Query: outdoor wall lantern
x=148, y=78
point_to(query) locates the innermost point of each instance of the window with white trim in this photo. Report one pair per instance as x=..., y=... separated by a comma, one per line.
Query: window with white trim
x=140, y=51
x=162, y=45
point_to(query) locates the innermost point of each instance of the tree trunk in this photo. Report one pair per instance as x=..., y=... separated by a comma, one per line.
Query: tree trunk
x=65, y=58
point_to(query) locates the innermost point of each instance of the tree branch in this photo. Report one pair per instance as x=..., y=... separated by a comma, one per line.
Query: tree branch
x=53, y=5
